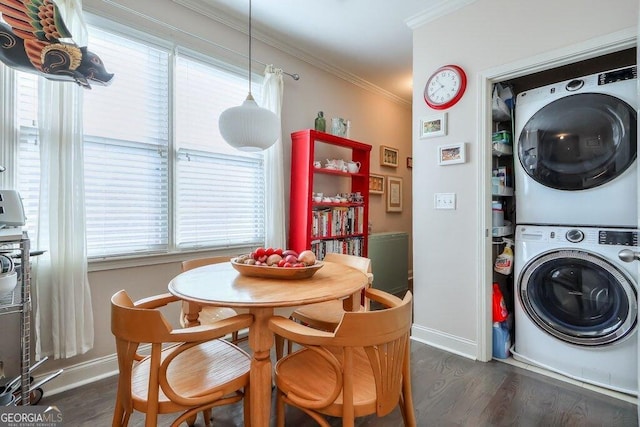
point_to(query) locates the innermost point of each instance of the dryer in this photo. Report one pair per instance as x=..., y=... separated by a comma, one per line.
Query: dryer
x=576, y=144
x=576, y=303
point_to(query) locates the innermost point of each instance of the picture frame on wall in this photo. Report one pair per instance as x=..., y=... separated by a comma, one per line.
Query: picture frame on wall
x=451, y=154
x=376, y=184
x=433, y=126
x=394, y=194
x=388, y=156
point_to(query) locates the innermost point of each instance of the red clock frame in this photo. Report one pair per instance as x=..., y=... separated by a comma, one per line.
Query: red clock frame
x=463, y=86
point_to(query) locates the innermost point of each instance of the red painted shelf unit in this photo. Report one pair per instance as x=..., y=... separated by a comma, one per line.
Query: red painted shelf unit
x=326, y=226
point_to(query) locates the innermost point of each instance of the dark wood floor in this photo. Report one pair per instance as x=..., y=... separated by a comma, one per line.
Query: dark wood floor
x=448, y=390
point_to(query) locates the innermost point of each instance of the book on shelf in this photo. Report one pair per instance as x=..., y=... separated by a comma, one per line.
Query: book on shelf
x=337, y=221
x=347, y=245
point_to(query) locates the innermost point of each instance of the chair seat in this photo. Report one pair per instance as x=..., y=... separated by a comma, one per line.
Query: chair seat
x=204, y=373
x=308, y=374
x=323, y=315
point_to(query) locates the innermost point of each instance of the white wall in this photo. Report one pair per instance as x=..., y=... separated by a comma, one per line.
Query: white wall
x=448, y=245
x=376, y=120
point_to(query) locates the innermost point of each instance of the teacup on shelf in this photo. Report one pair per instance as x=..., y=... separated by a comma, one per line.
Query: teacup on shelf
x=353, y=167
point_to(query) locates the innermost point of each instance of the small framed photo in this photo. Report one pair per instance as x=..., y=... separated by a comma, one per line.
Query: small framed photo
x=388, y=156
x=410, y=162
x=433, y=126
x=394, y=194
x=451, y=154
x=376, y=184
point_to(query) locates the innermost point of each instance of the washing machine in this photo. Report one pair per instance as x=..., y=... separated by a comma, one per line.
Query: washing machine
x=576, y=303
x=576, y=145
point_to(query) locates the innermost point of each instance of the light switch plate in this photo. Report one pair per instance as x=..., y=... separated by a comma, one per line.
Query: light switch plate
x=445, y=200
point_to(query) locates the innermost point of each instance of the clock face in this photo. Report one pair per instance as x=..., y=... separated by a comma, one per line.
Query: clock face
x=445, y=87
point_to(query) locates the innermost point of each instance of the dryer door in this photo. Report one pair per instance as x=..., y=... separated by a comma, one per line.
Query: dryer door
x=578, y=142
x=579, y=297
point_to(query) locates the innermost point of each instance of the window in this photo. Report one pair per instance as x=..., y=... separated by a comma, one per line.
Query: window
x=158, y=176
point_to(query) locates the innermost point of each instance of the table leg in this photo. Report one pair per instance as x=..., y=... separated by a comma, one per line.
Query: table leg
x=352, y=302
x=191, y=312
x=260, y=341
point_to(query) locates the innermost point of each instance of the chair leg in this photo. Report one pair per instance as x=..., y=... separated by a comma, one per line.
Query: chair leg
x=192, y=420
x=279, y=347
x=118, y=414
x=207, y=414
x=246, y=406
x=406, y=409
x=406, y=397
x=234, y=337
x=279, y=409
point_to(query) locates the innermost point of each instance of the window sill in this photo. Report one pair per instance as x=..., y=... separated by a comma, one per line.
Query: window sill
x=156, y=259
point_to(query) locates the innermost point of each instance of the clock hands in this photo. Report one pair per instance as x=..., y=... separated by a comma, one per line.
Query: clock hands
x=441, y=86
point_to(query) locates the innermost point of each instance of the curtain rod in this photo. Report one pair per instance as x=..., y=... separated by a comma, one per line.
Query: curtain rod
x=294, y=76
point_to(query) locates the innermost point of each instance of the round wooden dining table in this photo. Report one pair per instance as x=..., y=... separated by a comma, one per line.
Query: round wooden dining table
x=221, y=285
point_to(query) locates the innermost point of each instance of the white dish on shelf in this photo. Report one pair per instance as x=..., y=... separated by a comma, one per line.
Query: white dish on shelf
x=502, y=191
x=501, y=149
x=8, y=282
x=505, y=230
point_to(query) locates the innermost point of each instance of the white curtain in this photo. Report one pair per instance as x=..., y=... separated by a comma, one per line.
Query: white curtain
x=64, y=316
x=272, y=95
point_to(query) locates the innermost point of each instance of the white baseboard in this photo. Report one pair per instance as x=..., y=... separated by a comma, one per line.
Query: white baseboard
x=453, y=344
x=80, y=374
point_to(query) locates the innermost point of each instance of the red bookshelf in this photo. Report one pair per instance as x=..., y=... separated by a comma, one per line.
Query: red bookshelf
x=326, y=226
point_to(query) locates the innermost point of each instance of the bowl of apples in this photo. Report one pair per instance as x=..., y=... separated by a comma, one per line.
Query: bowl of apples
x=276, y=263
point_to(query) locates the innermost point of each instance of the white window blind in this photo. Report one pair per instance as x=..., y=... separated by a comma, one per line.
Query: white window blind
x=28, y=149
x=126, y=128
x=219, y=190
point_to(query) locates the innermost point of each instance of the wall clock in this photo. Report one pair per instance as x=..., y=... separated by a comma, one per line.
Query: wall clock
x=445, y=87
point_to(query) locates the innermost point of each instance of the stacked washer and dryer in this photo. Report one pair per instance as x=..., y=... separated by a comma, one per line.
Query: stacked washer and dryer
x=576, y=243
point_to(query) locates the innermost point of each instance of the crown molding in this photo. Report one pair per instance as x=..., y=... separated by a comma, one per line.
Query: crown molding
x=221, y=17
x=438, y=10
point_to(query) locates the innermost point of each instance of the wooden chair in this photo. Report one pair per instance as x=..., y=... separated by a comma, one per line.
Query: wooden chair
x=207, y=315
x=189, y=370
x=360, y=369
x=327, y=315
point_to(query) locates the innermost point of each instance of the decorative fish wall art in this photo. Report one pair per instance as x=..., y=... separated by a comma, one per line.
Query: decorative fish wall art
x=30, y=33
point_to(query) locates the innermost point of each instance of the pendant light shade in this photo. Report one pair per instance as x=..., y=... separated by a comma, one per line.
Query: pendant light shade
x=249, y=127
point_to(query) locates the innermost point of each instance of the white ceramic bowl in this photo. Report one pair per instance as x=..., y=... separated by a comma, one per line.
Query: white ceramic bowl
x=8, y=282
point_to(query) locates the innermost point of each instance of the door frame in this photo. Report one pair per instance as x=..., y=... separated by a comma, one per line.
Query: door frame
x=588, y=49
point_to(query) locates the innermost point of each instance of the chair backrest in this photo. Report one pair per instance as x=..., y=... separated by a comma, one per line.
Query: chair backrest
x=199, y=262
x=361, y=263
x=384, y=335
x=358, y=262
x=138, y=325
x=132, y=326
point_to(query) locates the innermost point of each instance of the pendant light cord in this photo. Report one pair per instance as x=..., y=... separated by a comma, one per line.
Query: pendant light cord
x=250, y=47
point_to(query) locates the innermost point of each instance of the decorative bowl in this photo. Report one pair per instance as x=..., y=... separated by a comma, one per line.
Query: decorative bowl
x=276, y=272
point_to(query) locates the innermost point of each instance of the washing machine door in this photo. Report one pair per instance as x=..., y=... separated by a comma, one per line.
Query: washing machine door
x=579, y=297
x=579, y=142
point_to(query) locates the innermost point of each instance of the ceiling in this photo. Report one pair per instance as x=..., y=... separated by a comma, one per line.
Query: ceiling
x=368, y=42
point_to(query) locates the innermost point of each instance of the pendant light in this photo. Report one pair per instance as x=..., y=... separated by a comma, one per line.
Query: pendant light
x=249, y=127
